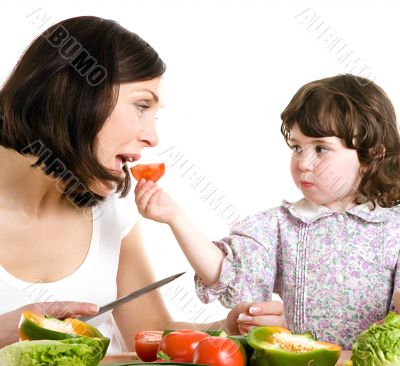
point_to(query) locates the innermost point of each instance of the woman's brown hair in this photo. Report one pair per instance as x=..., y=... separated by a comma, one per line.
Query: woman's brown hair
x=62, y=91
x=358, y=111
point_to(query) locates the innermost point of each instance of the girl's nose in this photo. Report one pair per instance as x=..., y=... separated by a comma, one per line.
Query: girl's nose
x=307, y=161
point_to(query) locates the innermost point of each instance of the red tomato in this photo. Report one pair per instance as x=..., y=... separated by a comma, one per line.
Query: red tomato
x=146, y=345
x=181, y=343
x=151, y=172
x=219, y=351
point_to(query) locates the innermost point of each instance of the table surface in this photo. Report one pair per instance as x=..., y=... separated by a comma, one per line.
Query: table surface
x=110, y=359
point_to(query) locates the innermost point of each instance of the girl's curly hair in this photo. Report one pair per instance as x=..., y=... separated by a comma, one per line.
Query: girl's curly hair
x=358, y=111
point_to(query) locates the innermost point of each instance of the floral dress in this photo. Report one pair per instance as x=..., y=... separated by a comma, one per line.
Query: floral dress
x=335, y=272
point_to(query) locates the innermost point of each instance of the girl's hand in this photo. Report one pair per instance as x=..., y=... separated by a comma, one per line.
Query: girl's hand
x=246, y=316
x=153, y=203
x=396, y=299
x=60, y=309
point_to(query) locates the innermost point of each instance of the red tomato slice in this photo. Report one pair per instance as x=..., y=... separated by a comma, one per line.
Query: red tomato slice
x=219, y=351
x=146, y=345
x=181, y=344
x=151, y=172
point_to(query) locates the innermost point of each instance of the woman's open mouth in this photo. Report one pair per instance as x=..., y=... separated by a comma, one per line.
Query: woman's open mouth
x=122, y=159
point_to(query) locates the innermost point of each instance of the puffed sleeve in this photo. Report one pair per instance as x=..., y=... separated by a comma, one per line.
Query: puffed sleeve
x=249, y=268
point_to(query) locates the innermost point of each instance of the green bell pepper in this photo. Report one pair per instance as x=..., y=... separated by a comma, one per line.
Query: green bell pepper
x=277, y=346
x=36, y=327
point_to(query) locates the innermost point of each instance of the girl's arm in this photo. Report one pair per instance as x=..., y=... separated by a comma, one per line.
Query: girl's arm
x=205, y=258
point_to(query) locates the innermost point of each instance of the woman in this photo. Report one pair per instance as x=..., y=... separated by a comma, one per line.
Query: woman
x=80, y=103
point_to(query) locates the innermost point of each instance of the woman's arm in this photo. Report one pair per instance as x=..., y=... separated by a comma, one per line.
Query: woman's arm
x=149, y=311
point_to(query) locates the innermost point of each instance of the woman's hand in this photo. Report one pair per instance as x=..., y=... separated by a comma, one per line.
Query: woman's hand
x=245, y=316
x=59, y=309
x=154, y=204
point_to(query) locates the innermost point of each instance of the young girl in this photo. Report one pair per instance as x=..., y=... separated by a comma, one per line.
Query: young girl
x=333, y=255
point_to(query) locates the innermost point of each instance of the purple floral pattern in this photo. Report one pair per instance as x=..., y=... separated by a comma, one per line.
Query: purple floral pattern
x=335, y=272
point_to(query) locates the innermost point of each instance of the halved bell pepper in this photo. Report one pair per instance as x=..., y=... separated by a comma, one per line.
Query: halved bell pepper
x=35, y=327
x=277, y=346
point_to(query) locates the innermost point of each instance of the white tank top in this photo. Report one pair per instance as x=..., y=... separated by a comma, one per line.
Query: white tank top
x=94, y=280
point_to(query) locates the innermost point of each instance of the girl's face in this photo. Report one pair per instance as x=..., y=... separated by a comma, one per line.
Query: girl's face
x=324, y=169
x=130, y=128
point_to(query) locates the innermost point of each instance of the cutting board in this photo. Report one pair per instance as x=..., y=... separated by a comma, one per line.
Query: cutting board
x=117, y=358
x=130, y=358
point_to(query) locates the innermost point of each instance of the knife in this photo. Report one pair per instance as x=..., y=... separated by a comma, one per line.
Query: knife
x=131, y=296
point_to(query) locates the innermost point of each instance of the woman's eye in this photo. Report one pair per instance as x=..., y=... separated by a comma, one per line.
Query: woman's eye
x=142, y=107
x=321, y=150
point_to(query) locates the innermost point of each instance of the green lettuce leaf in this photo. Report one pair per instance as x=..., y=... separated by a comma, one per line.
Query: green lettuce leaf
x=78, y=351
x=379, y=345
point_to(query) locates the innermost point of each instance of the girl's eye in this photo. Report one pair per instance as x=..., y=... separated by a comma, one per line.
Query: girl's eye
x=321, y=150
x=296, y=148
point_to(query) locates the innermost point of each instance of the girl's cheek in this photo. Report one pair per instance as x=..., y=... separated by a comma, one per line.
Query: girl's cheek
x=294, y=167
x=322, y=169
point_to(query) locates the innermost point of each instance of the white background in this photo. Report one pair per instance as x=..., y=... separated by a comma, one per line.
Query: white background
x=232, y=68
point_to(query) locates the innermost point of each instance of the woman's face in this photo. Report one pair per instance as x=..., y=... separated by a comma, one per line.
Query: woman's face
x=130, y=128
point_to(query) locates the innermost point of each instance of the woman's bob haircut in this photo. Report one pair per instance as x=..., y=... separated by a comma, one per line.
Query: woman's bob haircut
x=62, y=91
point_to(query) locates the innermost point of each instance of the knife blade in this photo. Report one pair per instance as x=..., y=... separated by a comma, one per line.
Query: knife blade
x=131, y=296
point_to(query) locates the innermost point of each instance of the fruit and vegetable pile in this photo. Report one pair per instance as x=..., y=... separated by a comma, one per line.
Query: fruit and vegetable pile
x=71, y=342
x=267, y=346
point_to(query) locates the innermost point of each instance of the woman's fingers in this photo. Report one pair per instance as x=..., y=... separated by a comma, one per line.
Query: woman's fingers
x=64, y=309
